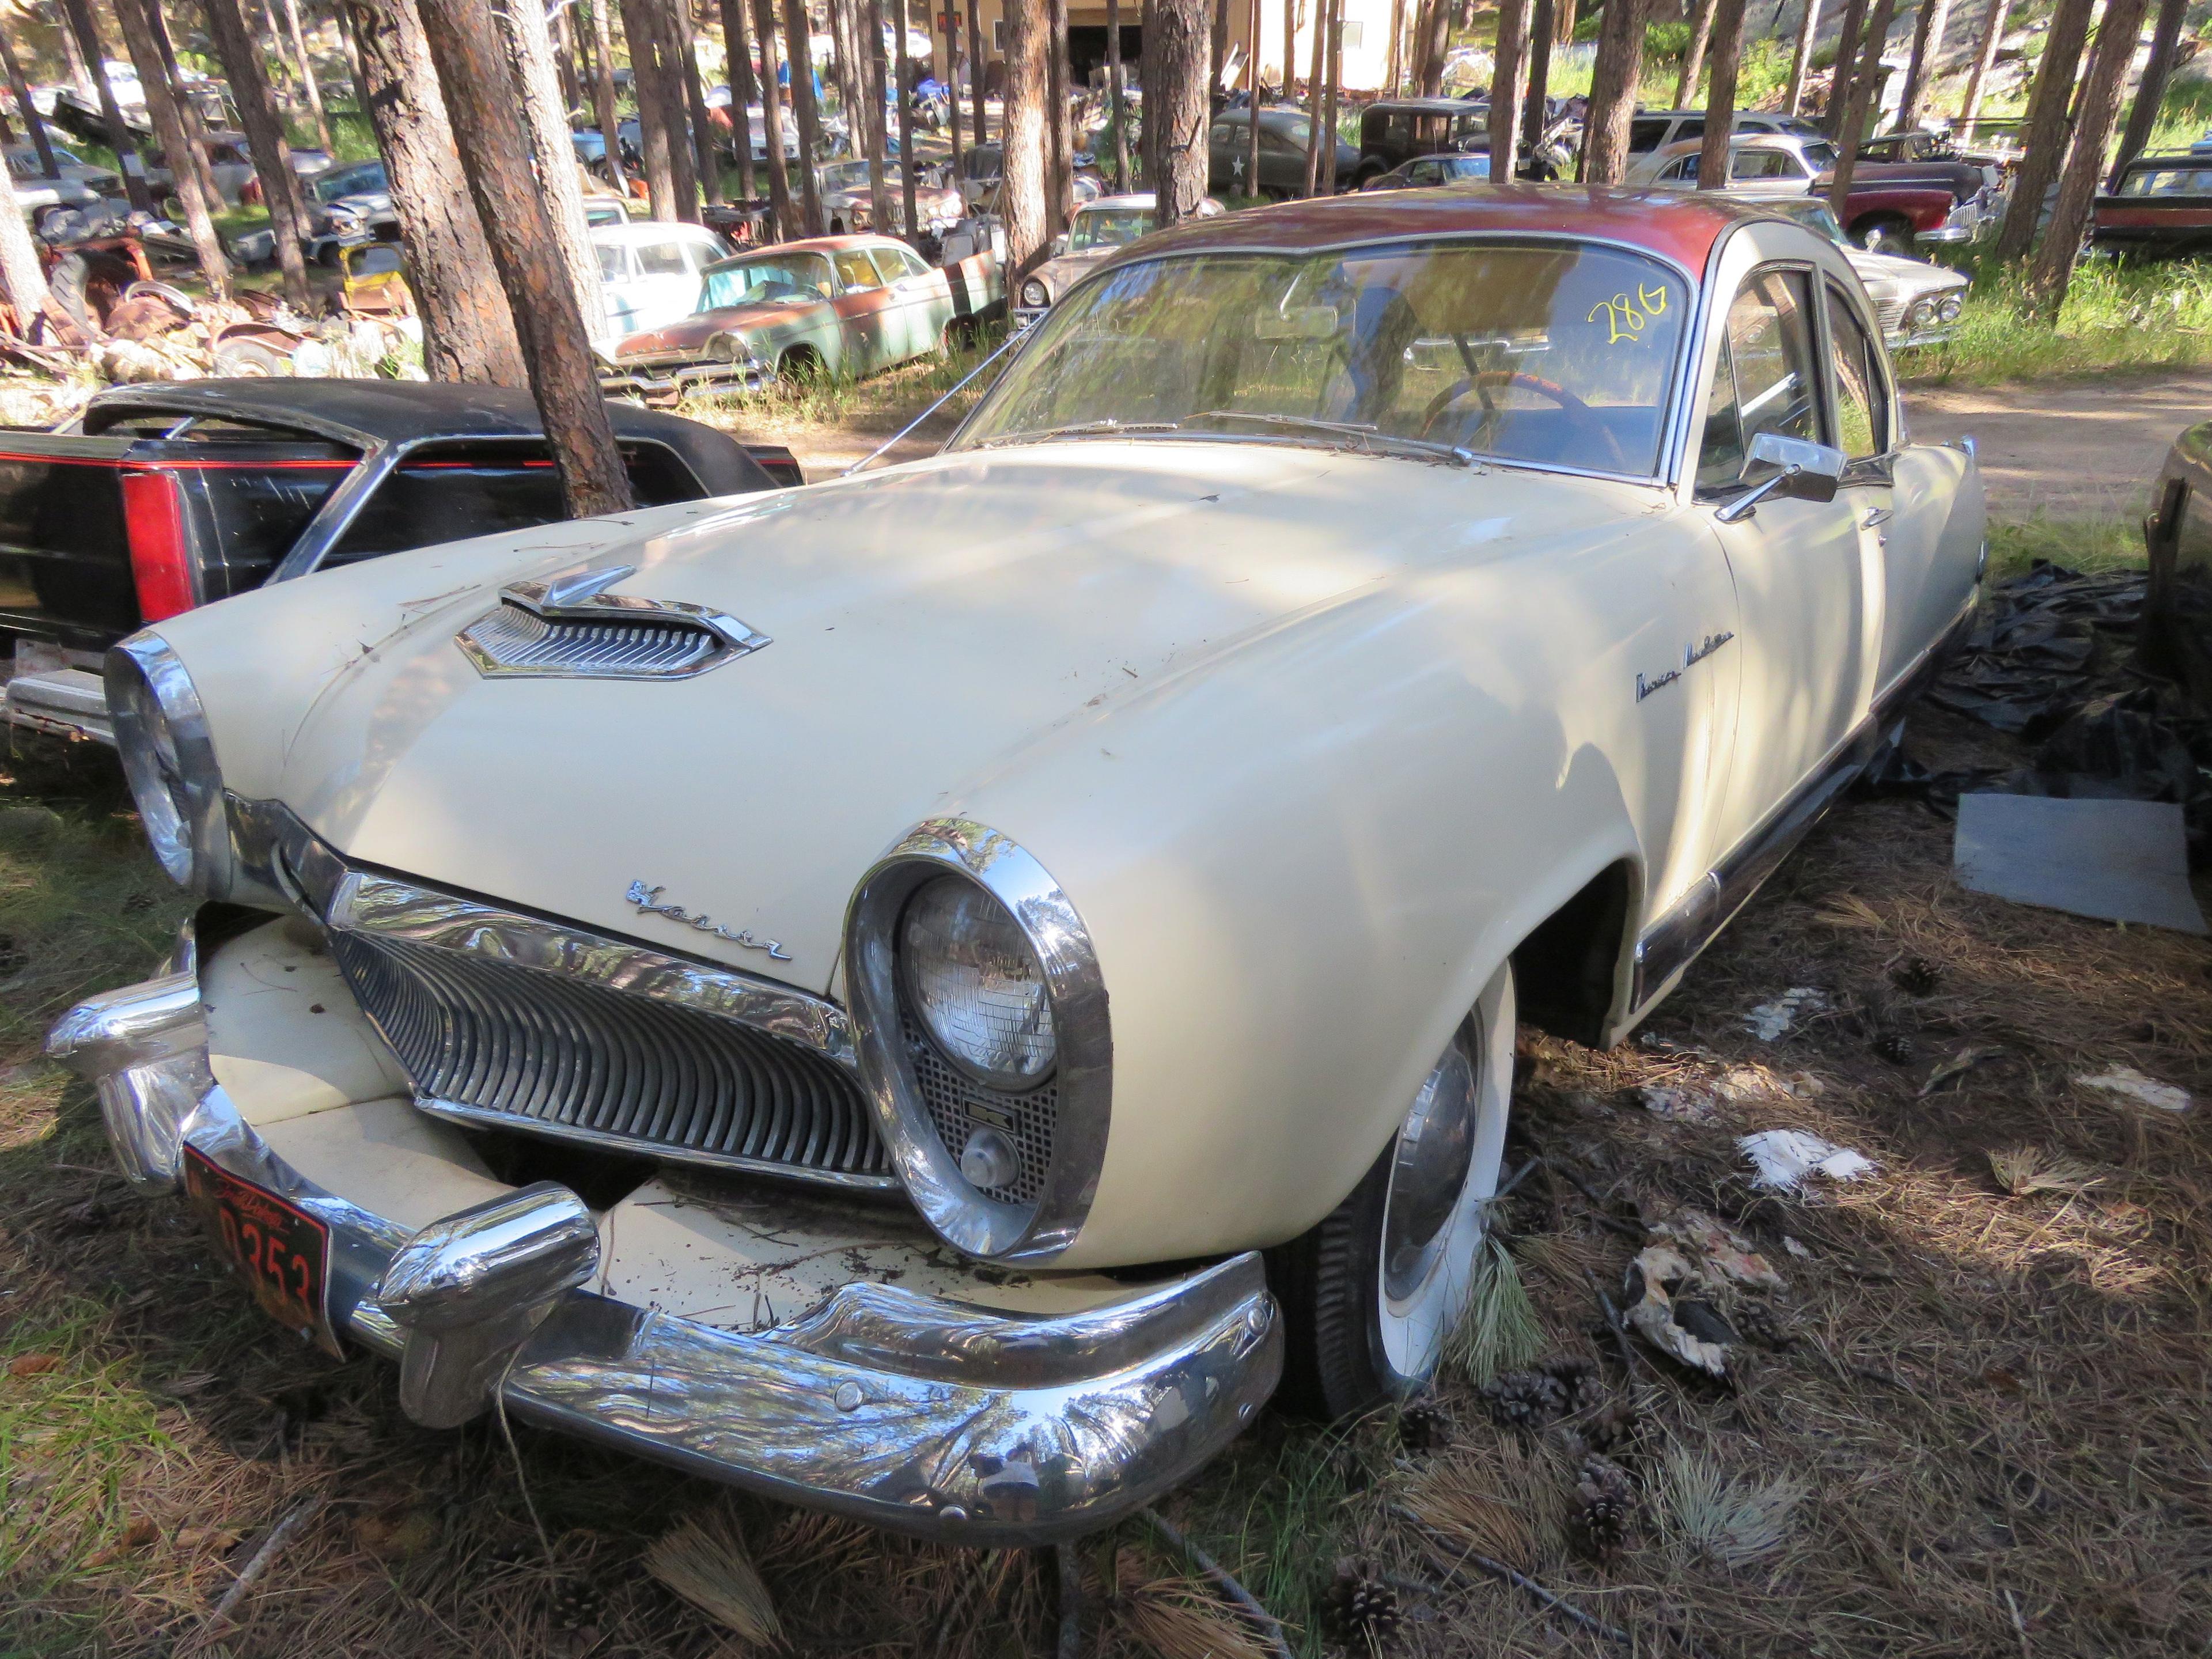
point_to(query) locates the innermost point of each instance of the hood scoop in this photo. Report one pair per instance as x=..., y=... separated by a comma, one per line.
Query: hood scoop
x=570, y=627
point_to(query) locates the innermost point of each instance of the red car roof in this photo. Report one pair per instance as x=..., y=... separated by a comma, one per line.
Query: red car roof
x=1681, y=225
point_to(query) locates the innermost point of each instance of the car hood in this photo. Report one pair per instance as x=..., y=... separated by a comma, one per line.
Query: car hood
x=1908, y=278
x=1059, y=274
x=691, y=333
x=937, y=632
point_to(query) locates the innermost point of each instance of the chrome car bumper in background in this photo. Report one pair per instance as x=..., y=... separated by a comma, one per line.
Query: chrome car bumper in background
x=63, y=702
x=688, y=379
x=925, y=1414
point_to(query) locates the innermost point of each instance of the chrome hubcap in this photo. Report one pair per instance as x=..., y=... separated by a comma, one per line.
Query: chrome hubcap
x=1435, y=1148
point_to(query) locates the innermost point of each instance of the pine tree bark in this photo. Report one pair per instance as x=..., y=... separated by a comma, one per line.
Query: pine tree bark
x=20, y=270
x=1218, y=49
x=308, y=83
x=264, y=137
x=780, y=206
x=738, y=70
x=1613, y=81
x=952, y=86
x=1985, y=59
x=84, y=27
x=482, y=102
x=1720, y=100
x=873, y=73
x=1290, y=52
x=1059, y=177
x=2100, y=112
x=1252, y=128
x=1839, y=77
x=468, y=333
x=799, y=35
x=1436, y=43
x=1505, y=89
x=1394, y=78
x=907, y=181
x=1536, y=101
x=1021, y=191
x=1313, y=91
x=553, y=154
x=706, y=162
x=602, y=93
x=1694, y=60
x=2150, y=93
x=1332, y=93
x=184, y=167
x=977, y=56
x=1175, y=106
x=1808, y=25
x=1116, y=114
x=1865, y=85
x=22, y=88
x=650, y=61
x=1927, y=46
x=2046, y=134
x=194, y=126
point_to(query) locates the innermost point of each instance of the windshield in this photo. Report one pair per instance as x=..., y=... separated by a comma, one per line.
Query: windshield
x=1098, y=228
x=1819, y=155
x=1555, y=353
x=845, y=175
x=793, y=277
x=1814, y=214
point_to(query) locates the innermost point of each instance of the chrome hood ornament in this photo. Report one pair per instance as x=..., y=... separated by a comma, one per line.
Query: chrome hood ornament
x=568, y=626
x=648, y=900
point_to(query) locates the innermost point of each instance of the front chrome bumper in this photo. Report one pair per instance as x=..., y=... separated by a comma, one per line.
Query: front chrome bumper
x=63, y=702
x=688, y=379
x=917, y=1413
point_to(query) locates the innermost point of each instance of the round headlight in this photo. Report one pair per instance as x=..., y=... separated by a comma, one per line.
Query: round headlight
x=169, y=762
x=1921, y=314
x=975, y=984
x=1949, y=308
x=1033, y=294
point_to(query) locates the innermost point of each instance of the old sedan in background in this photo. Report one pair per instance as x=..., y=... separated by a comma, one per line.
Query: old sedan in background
x=849, y=206
x=2160, y=209
x=1917, y=303
x=650, y=271
x=837, y=305
x=1426, y=172
x=1283, y=134
x=1882, y=213
x=1099, y=229
x=928, y=995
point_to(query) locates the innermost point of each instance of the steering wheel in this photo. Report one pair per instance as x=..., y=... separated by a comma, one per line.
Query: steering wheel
x=1583, y=417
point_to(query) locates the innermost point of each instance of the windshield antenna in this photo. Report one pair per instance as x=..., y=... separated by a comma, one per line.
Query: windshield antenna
x=891, y=442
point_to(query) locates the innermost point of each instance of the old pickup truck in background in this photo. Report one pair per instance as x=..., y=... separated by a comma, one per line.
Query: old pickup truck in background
x=164, y=497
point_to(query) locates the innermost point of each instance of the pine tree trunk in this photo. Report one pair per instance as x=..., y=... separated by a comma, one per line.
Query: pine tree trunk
x=1720, y=100
x=1993, y=24
x=264, y=137
x=1060, y=179
x=1313, y=91
x=2142, y=115
x=685, y=106
x=1505, y=89
x=1116, y=112
x=1394, y=75
x=312, y=87
x=2085, y=164
x=738, y=70
x=1218, y=49
x=468, y=333
x=1252, y=128
x=1794, y=99
x=602, y=92
x=1436, y=43
x=1535, y=101
x=977, y=56
x=1175, y=106
x=482, y=101
x=705, y=158
x=798, y=34
x=905, y=120
x=2046, y=134
x=20, y=270
x=195, y=128
x=649, y=62
x=952, y=86
x=1290, y=53
x=1694, y=60
x=84, y=28
x=553, y=154
x=184, y=167
x=877, y=92
x=1613, y=81
x=565, y=58
x=1865, y=85
x=1839, y=77
x=22, y=88
x=780, y=206
x=1927, y=46
x=1332, y=93
x=1021, y=191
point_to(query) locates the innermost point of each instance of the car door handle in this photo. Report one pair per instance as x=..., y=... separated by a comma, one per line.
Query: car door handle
x=1877, y=515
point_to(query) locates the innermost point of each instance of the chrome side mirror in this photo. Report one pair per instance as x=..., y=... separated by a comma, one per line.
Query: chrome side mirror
x=1808, y=472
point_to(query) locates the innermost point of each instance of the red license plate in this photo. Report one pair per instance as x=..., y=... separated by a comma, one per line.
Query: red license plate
x=283, y=1252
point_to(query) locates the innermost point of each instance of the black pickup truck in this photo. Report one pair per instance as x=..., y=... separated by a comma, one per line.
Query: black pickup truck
x=163, y=497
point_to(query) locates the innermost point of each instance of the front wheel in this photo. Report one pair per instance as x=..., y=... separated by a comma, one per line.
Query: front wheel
x=1372, y=1293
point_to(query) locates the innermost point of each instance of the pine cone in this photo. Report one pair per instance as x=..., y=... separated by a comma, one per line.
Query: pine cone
x=1917, y=977
x=1524, y=1399
x=1765, y=1324
x=1604, y=1516
x=1894, y=1048
x=1424, y=1424
x=576, y=1605
x=1361, y=1605
x=1614, y=1427
x=1578, y=1383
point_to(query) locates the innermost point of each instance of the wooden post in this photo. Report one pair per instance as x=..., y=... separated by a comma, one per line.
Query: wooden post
x=1021, y=192
x=1694, y=60
x=484, y=103
x=1720, y=102
x=1794, y=99
x=1865, y=85
x=1993, y=22
x=1393, y=76
x=1289, y=55
x=797, y=36
x=2046, y=127
x=1252, y=129
x=312, y=87
x=1505, y=90
x=176, y=145
x=1927, y=46
x=1613, y=90
x=778, y=173
x=22, y=88
x=906, y=180
x=264, y=136
x=2100, y=112
x=468, y=331
x=603, y=91
x=2142, y=115
x=85, y=29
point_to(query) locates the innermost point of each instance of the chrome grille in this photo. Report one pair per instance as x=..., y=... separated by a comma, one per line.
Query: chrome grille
x=513, y=641
x=1889, y=315
x=491, y=1040
x=958, y=1107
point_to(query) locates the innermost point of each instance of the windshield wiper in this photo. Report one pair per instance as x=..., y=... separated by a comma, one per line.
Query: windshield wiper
x=1079, y=429
x=1359, y=432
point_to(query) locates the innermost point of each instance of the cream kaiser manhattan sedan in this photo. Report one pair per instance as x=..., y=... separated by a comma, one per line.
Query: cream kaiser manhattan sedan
x=928, y=995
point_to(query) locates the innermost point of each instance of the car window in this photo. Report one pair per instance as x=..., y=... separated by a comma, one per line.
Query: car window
x=1223, y=133
x=855, y=271
x=1760, y=164
x=2167, y=181
x=1646, y=135
x=784, y=277
x=1470, y=166
x=661, y=259
x=1679, y=171
x=1861, y=410
x=1763, y=380
x=614, y=263
x=890, y=265
x=1819, y=155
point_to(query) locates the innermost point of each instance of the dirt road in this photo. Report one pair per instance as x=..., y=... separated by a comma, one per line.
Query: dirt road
x=2082, y=449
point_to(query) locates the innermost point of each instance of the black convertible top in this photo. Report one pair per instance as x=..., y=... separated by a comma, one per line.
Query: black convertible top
x=371, y=414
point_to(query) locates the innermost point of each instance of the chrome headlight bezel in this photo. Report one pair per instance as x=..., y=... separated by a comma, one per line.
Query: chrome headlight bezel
x=1035, y=293
x=1948, y=306
x=966, y=1218
x=177, y=784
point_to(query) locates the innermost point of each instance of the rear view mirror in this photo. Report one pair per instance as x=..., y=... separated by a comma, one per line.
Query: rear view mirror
x=1808, y=472
x=1296, y=323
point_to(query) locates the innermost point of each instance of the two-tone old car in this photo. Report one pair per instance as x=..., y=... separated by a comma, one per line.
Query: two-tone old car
x=933, y=995
x=1098, y=230
x=1917, y=302
x=831, y=307
x=2159, y=208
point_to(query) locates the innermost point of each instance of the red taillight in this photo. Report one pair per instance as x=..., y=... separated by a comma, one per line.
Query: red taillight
x=154, y=525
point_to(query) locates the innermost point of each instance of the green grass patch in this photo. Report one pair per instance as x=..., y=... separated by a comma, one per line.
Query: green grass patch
x=2116, y=317
x=2105, y=543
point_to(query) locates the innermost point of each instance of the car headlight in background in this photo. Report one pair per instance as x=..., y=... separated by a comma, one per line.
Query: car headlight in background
x=1949, y=308
x=169, y=761
x=981, y=1022
x=1033, y=294
x=1920, y=313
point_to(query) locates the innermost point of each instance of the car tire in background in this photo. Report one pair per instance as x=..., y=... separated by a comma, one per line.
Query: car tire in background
x=1373, y=1292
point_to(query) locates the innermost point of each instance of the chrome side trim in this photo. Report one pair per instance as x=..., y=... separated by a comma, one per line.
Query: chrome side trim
x=965, y=1219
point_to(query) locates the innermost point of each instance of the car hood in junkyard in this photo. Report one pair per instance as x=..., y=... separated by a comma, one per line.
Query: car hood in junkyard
x=931, y=626
x=690, y=334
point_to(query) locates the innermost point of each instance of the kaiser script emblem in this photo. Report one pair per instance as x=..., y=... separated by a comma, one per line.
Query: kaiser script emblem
x=648, y=900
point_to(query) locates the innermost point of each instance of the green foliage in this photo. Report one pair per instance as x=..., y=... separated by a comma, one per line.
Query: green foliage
x=2116, y=317
x=1499, y=1329
x=2184, y=114
x=2106, y=542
